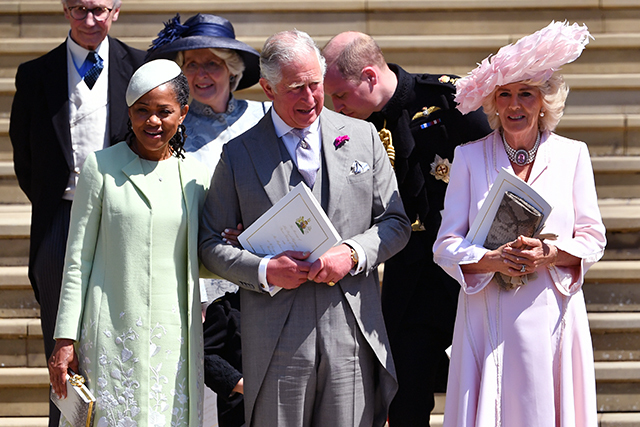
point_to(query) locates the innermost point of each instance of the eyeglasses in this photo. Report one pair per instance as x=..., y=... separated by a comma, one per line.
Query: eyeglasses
x=211, y=67
x=80, y=12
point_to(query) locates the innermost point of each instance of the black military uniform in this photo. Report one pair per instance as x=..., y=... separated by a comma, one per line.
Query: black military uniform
x=418, y=298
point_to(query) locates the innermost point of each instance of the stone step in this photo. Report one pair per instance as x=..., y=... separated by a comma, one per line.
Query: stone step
x=617, y=177
x=24, y=421
x=606, y=134
x=21, y=343
x=618, y=386
x=14, y=234
x=616, y=336
x=608, y=54
x=602, y=93
x=613, y=285
x=10, y=192
x=6, y=151
x=377, y=16
x=24, y=392
x=609, y=130
x=17, y=298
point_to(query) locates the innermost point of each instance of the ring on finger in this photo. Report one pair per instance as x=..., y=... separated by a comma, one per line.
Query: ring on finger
x=523, y=268
x=331, y=283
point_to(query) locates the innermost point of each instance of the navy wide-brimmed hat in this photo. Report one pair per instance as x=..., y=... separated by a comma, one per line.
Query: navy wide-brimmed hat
x=201, y=32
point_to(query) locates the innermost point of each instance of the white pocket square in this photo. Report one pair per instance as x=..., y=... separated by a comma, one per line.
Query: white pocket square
x=359, y=167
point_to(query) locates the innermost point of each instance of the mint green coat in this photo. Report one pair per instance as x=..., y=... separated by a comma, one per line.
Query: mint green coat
x=105, y=291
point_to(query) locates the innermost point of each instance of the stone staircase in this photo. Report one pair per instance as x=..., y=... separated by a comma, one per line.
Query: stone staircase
x=603, y=109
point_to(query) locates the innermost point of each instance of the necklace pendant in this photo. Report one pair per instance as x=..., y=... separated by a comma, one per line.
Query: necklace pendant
x=522, y=157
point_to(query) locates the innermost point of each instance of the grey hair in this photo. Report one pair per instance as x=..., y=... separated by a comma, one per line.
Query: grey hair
x=283, y=48
x=554, y=93
x=116, y=3
x=232, y=60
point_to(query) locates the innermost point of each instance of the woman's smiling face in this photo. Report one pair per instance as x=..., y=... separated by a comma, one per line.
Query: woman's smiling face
x=155, y=118
x=208, y=77
x=519, y=107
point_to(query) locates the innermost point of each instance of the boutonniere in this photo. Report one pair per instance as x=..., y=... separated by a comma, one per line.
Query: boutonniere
x=440, y=168
x=340, y=141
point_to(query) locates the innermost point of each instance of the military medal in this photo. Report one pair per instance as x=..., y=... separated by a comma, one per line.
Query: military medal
x=440, y=168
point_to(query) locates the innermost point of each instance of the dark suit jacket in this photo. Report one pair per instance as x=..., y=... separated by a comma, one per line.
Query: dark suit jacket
x=39, y=128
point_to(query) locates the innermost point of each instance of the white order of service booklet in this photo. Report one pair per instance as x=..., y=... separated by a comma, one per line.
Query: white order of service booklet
x=296, y=222
x=506, y=181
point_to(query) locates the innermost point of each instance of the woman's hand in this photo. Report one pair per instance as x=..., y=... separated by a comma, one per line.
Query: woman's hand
x=64, y=357
x=534, y=253
x=230, y=236
x=492, y=262
x=526, y=254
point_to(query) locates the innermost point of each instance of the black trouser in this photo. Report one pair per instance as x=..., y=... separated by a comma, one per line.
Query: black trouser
x=47, y=272
x=419, y=302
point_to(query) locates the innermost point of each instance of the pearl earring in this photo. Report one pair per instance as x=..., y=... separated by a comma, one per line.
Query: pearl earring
x=497, y=114
x=541, y=113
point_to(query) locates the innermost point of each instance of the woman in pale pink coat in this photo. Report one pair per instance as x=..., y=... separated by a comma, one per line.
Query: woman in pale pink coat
x=522, y=356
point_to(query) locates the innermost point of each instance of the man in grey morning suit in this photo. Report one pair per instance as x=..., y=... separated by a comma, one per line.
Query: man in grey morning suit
x=313, y=354
x=66, y=106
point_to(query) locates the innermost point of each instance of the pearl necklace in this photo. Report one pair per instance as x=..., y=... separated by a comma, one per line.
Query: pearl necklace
x=521, y=156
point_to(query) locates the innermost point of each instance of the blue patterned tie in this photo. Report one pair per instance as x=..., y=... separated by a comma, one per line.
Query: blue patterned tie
x=91, y=76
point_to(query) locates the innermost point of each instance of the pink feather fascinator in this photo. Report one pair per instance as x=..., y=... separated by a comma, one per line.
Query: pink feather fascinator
x=534, y=57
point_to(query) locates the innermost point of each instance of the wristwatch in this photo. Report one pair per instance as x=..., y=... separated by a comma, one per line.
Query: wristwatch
x=354, y=258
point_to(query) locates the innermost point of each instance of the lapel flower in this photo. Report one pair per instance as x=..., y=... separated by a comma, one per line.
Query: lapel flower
x=440, y=168
x=340, y=141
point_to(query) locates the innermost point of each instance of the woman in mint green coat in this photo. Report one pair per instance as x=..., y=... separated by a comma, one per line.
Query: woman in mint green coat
x=129, y=317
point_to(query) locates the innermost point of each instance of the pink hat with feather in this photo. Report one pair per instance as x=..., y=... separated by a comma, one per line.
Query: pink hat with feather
x=534, y=57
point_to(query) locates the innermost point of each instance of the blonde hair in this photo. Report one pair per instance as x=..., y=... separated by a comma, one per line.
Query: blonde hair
x=232, y=60
x=554, y=94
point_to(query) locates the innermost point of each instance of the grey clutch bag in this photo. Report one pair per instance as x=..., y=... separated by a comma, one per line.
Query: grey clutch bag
x=515, y=217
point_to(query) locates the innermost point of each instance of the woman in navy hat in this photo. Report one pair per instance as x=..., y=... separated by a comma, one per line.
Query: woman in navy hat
x=216, y=64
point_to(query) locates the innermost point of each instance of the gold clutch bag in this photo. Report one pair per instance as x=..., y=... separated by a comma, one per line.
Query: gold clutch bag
x=78, y=407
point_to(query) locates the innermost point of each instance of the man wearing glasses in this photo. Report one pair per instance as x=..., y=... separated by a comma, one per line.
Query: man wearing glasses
x=68, y=103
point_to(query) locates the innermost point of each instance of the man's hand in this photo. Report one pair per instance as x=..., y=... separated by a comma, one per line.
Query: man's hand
x=332, y=266
x=288, y=269
x=63, y=357
x=239, y=388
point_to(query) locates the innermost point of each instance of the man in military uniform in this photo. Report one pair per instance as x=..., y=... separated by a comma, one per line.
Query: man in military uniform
x=420, y=127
